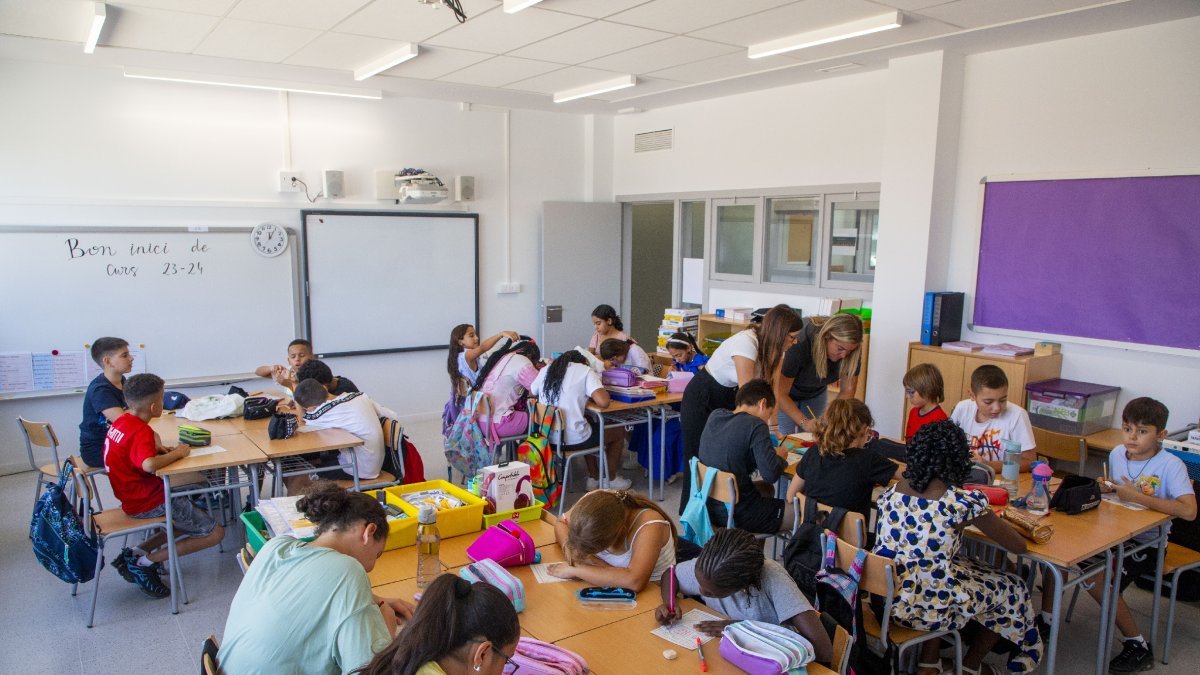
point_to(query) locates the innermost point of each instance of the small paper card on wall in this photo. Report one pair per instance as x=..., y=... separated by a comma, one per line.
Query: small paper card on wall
x=692, y=285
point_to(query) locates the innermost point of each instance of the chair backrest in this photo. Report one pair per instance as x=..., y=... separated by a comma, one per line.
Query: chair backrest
x=537, y=410
x=878, y=578
x=84, y=495
x=42, y=435
x=1066, y=447
x=208, y=656
x=724, y=488
x=842, y=642
x=393, y=442
x=852, y=529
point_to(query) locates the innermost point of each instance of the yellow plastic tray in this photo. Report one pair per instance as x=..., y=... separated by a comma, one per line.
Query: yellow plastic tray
x=401, y=532
x=450, y=522
x=518, y=515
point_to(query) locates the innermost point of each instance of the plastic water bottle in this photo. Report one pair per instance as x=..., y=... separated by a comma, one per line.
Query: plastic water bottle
x=1010, y=471
x=1038, y=501
x=429, y=543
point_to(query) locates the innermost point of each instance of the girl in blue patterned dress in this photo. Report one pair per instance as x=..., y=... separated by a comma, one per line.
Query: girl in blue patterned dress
x=920, y=520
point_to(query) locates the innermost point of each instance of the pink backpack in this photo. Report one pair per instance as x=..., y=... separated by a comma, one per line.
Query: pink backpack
x=542, y=658
x=506, y=543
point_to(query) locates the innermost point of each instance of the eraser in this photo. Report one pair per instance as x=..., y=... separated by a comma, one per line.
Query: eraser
x=670, y=654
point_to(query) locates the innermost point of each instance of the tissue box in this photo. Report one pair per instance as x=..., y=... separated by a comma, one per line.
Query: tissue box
x=506, y=487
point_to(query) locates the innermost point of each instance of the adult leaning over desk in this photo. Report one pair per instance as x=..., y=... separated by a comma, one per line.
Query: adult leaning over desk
x=752, y=353
x=307, y=607
x=827, y=351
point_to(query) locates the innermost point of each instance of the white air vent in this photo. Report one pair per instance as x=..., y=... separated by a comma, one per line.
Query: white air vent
x=839, y=67
x=663, y=139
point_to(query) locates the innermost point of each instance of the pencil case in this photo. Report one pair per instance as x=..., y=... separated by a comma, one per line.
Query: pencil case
x=996, y=496
x=194, y=436
x=606, y=597
x=488, y=571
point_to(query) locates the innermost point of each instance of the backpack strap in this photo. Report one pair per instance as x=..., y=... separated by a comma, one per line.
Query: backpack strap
x=856, y=567
x=548, y=420
x=833, y=518
x=830, y=560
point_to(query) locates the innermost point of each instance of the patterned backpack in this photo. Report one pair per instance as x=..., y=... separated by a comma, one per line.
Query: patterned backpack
x=60, y=541
x=837, y=589
x=537, y=452
x=468, y=448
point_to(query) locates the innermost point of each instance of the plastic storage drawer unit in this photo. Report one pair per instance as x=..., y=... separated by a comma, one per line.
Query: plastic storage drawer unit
x=1070, y=407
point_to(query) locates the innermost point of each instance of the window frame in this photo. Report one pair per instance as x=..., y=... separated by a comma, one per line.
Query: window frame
x=831, y=198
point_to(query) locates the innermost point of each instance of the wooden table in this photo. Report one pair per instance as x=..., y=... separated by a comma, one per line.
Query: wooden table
x=1105, y=440
x=167, y=427
x=302, y=443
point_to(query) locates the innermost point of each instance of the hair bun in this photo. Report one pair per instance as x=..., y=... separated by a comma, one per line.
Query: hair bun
x=462, y=588
x=321, y=499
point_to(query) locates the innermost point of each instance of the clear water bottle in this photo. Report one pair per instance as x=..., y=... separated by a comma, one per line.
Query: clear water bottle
x=429, y=542
x=1038, y=501
x=1010, y=471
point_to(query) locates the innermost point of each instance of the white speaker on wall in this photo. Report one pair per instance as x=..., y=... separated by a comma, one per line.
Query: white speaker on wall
x=464, y=188
x=335, y=184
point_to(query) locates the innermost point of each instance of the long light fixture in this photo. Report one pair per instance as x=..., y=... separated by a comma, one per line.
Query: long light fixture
x=820, y=36
x=98, y=18
x=614, y=84
x=404, y=53
x=250, y=83
x=514, y=6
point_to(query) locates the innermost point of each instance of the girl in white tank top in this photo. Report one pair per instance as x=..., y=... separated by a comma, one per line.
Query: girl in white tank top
x=615, y=538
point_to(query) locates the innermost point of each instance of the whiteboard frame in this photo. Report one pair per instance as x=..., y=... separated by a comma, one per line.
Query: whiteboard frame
x=305, y=213
x=1071, y=339
x=200, y=380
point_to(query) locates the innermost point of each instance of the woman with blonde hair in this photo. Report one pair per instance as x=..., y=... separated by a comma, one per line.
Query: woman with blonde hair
x=826, y=351
x=615, y=538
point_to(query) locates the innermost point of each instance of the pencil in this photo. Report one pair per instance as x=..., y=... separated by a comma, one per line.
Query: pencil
x=700, y=651
x=671, y=605
x=1105, y=465
x=810, y=412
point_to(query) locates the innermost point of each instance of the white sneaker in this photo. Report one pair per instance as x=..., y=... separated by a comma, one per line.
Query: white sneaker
x=592, y=484
x=619, y=483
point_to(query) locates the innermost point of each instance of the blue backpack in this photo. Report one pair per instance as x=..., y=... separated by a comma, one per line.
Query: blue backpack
x=697, y=528
x=468, y=448
x=60, y=541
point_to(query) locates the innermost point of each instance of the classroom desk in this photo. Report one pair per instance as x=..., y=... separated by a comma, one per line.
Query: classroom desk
x=619, y=413
x=167, y=427
x=1105, y=440
x=240, y=453
x=302, y=443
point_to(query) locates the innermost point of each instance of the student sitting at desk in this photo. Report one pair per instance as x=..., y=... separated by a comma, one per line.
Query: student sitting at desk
x=615, y=538
x=608, y=325
x=131, y=457
x=988, y=419
x=104, y=401
x=307, y=607
x=925, y=391
x=625, y=354
x=732, y=576
x=299, y=352
x=685, y=353
x=354, y=412
x=458, y=628
x=739, y=441
x=839, y=470
x=506, y=379
x=318, y=370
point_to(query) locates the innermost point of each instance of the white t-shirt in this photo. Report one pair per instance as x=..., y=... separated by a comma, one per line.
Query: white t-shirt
x=577, y=386
x=357, y=413
x=637, y=357
x=721, y=367
x=506, y=383
x=984, y=437
x=1164, y=476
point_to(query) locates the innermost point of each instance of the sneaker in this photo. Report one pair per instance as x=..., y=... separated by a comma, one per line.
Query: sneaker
x=619, y=483
x=147, y=579
x=122, y=562
x=1134, y=658
x=592, y=484
x=1043, y=627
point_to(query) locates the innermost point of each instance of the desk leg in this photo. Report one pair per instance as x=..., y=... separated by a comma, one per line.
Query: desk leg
x=662, y=453
x=354, y=465
x=172, y=560
x=1051, y=648
x=650, y=447
x=601, y=456
x=252, y=469
x=1158, y=578
x=1108, y=608
x=277, y=490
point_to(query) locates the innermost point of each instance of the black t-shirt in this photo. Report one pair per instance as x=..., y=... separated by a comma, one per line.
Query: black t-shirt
x=845, y=481
x=101, y=395
x=740, y=443
x=344, y=386
x=798, y=364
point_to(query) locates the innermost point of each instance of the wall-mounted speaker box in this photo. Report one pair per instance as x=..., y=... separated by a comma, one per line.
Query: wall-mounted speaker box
x=464, y=188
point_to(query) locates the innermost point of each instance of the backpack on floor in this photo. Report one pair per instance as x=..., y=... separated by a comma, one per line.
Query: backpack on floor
x=468, y=448
x=60, y=541
x=804, y=555
x=538, y=453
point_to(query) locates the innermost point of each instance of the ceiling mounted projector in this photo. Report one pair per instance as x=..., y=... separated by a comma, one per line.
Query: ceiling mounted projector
x=420, y=188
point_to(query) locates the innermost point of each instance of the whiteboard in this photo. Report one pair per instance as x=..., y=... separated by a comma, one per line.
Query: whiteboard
x=381, y=281
x=197, y=302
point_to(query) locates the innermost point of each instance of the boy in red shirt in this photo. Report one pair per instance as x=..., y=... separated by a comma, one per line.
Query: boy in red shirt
x=131, y=457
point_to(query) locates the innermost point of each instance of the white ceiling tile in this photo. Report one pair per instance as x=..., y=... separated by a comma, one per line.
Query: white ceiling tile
x=435, y=62
x=975, y=13
x=658, y=55
x=319, y=14
x=590, y=41
x=911, y=5
x=409, y=20
x=209, y=7
x=498, y=32
x=69, y=21
x=340, y=51
x=794, y=18
x=156, y=29
x=499, y=71
x=253, y=41
x=597, y=9
x=567, y=78
x=685, y=16
x=722, y=67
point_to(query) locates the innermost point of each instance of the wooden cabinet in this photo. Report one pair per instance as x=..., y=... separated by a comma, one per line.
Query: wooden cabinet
x=956, y=369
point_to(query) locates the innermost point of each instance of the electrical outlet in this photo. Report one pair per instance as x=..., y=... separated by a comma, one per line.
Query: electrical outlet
x=509, y=287
x=286, y=184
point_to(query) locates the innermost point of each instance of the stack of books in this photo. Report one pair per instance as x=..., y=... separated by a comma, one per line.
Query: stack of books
x=962, y=346
x=1006, y=349
x=677, y=319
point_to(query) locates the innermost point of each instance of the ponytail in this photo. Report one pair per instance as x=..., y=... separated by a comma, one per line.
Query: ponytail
x=452, y=613
x=555, y=372
x=683, y=340
x=614, y=347
x=456, y=334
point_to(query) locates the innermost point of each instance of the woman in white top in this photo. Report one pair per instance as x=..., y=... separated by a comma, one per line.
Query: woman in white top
x=505, y=378
x=753, y=353
x=570, y=384
x=615, y=538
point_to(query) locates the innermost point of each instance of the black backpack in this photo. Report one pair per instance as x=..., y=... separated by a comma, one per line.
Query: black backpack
x=259, y=407
x=61, y=542
x=281, y=426
x=803, y=556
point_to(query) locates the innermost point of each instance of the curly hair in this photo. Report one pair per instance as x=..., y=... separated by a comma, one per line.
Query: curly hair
x=939, y=451
x=732, y=560
x=842, y=423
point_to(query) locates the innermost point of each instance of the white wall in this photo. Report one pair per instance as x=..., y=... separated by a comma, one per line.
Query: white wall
x=86, y=146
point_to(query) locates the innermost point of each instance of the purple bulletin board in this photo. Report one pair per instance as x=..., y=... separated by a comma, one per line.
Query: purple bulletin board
x=1104, y=258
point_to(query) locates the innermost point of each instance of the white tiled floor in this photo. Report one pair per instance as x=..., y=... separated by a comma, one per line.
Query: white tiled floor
x=42, y=626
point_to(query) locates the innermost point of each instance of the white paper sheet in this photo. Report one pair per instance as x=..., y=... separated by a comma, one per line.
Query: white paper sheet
x=205, y=450
x=683, y=632
x=541, y=572
x=692, y=285
x=16, y=372
x=64, y=370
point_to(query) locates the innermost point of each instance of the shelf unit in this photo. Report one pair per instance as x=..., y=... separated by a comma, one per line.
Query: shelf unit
x=956, y=368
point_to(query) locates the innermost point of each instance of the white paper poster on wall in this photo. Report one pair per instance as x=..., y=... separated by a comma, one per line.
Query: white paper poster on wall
x=692, y=286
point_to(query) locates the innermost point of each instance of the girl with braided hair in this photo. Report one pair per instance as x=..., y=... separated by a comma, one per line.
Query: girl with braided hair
x=615, y=538
x=919, y=526
x=732, y=575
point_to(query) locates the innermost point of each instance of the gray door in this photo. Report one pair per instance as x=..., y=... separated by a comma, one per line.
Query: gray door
x=581, y=268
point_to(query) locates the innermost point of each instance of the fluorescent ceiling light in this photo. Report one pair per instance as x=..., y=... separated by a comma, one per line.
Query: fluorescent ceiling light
x=404, y=53
x=596, y=88
x=820, y=36
x=514, y=6
x=101, y=13
x=250, y=83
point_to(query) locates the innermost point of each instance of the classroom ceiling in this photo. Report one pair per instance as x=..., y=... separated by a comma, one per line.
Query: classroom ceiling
x=679, y=50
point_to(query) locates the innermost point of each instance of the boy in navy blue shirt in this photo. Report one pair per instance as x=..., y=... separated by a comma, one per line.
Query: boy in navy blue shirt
x=104, y=401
